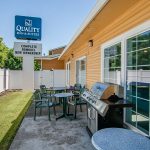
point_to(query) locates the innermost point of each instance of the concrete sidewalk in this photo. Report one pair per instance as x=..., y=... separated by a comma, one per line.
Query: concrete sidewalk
x=62, y=134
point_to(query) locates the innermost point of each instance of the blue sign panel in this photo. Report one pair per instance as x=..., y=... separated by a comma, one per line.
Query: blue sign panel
x=28, y=28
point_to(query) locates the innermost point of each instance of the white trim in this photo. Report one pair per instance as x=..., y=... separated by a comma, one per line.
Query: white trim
x=47, y=57
x=102, y=64
x=135, y=129
x=107, y=45
x=123, y=39
x=83, y=57
x=98, y=7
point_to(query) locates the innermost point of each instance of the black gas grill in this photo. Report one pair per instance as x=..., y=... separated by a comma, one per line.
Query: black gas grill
x=105, y=106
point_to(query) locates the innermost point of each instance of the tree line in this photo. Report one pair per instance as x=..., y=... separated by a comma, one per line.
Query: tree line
x=9, y=61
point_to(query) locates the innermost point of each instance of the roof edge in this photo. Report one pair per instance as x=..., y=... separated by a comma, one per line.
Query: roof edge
x=97, y=8
x=57, y=48
x=48, y=57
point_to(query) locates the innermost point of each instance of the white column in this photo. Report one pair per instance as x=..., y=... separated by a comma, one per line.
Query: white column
x=28, y=73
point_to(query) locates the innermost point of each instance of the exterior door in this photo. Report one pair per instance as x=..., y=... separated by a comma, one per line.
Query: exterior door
x=81, y=71
x=68, y=74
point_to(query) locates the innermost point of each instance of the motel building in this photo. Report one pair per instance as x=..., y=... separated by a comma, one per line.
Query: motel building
x=51, y=60
x=113, y=45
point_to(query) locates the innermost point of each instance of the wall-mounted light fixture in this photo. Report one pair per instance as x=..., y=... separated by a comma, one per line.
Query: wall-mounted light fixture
x=90, y=43
x=72, y=55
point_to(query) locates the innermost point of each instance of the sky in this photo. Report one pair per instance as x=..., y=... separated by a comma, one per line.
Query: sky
x=60, y=19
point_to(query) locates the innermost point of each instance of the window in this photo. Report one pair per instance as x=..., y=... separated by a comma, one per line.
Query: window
x=138, y=81
x=81, y=71
x=112, y=64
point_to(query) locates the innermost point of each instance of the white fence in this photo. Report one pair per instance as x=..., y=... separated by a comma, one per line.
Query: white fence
x=54, y=78
x=4, y=78
x=13, y=79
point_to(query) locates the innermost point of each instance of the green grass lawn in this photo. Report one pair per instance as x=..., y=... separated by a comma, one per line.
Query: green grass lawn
x=13, y=107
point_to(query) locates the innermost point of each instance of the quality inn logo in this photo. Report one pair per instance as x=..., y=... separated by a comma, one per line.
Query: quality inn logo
x=28, y=22
x=26, y=27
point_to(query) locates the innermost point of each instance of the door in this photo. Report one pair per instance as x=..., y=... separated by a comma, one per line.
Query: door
x=68, y=74
x=81, y=71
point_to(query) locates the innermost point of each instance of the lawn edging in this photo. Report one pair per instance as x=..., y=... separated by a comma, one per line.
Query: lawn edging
x=9, y=136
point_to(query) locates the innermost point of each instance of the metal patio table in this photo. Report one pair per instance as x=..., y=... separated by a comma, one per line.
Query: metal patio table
x=64, y=96
x=57, y=89
x=65, y=89
x=119, y=139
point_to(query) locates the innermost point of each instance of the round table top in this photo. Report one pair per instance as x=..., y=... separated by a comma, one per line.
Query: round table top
x=119, y=139
x=63, y=95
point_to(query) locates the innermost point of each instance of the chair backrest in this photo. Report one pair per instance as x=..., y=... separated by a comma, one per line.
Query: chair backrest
x=42, y=86
x=43, y=89
x=37, y=95
x=79, y=87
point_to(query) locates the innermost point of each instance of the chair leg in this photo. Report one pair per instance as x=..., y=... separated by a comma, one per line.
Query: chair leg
x=81, y=108
x=49, y=114
x=60, y=100
x=75, y=111
x=87, y=110
x=40, y=111
x=35, y=114
x=68, y=109
x=54, y=110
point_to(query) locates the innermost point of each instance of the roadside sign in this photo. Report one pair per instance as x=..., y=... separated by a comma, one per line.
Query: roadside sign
x=21, y=49
x=27, y=28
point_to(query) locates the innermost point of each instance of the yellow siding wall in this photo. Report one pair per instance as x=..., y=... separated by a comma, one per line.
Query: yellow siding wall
x=133, y=16
x=52, y=64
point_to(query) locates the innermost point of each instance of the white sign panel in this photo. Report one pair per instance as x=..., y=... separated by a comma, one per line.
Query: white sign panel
x=21, y=49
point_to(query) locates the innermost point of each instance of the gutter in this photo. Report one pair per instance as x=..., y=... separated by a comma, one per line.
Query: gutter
x=98, y=7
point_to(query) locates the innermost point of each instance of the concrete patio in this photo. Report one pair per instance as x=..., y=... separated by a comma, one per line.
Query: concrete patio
x=62, y=134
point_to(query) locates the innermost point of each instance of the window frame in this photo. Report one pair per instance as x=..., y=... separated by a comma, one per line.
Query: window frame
x=103, y=56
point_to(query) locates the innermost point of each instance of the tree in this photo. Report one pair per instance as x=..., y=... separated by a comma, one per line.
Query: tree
x=37, y=66
x=12, y=62
x=3, y=53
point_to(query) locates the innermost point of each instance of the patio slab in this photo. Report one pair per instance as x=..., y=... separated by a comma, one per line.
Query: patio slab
x=62, y=134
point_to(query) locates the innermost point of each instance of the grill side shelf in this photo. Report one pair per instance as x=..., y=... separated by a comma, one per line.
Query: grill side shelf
x=120, y=104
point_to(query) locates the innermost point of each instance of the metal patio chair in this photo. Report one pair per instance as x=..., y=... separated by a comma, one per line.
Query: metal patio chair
x=77, y=100
x=49, y=94
x=40, y=103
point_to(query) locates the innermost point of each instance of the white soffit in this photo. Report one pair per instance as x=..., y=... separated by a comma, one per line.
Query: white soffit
x=47, y=57
x=98, y=7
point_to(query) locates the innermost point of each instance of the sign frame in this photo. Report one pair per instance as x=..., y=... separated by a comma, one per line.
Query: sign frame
x=22, y=49
x=28, y=28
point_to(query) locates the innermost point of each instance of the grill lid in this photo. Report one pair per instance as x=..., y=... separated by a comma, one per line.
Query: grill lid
x=98, y=89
